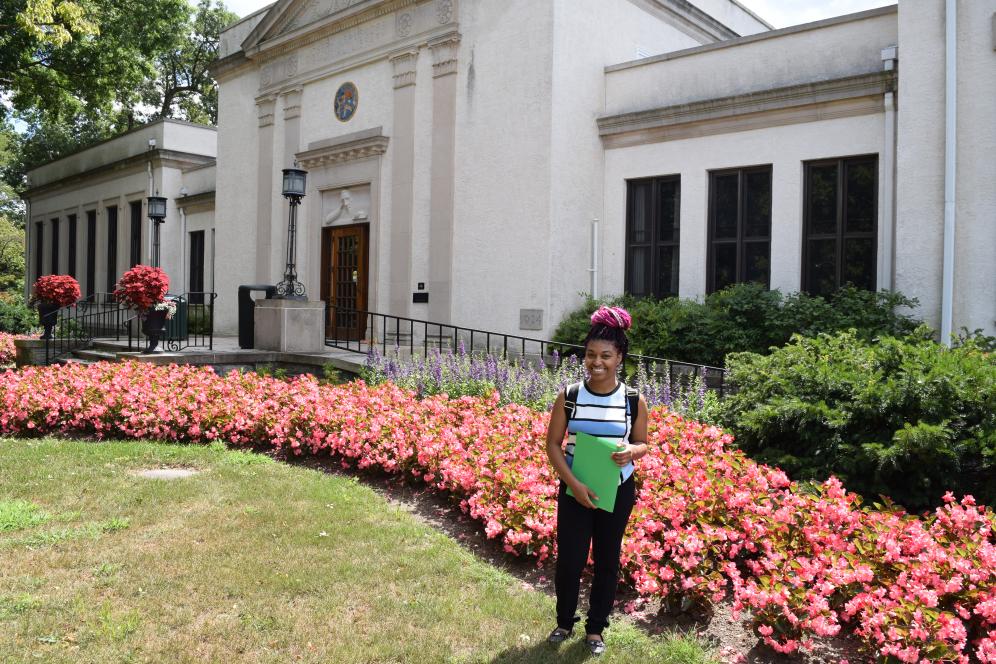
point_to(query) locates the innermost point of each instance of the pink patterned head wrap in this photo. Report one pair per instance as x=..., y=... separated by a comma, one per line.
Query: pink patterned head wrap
x=612, y=317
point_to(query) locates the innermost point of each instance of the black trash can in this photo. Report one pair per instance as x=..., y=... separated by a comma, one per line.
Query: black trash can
x=247, y=318
x=176, y=327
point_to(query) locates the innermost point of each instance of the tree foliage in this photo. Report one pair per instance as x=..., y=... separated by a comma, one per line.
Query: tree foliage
x=60, y=57
x=11, y=225
x=183, y=87
x=75, y=72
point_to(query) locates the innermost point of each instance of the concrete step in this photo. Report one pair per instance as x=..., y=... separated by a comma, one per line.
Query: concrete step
x=117, y=346
x=73, y=360
x=95, y=355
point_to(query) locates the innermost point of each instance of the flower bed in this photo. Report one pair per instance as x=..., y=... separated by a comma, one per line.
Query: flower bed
x=708, y=521
x=8, y=352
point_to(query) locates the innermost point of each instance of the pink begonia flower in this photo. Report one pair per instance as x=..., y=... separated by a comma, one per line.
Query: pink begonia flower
x=708, y=522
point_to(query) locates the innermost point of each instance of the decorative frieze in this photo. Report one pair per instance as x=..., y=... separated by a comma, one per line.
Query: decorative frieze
x=444, y=11
x=405, y=21
x=404, y=68
x=444, y=55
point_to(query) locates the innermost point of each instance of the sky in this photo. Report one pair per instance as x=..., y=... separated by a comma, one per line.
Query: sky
x=779, y=13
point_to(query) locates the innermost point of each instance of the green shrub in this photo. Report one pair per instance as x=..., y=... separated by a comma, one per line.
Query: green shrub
x=198, y=319
x=744, y=317
x=16, y=318
x=904, y=417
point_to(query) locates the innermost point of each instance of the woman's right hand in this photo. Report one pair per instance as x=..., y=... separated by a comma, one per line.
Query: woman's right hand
x=583, y=494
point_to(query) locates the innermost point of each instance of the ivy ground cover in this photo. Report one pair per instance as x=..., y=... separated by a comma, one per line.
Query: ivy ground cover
x=799, y=561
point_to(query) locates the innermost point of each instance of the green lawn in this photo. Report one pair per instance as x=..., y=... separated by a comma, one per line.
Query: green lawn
x=249, y=561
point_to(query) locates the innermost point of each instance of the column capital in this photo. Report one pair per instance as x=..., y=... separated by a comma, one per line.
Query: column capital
x=444, y=54
x=292, y=103
x=264, y=111
x=404, y=67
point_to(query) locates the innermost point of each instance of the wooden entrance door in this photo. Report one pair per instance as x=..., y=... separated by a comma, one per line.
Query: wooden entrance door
x=344, y=280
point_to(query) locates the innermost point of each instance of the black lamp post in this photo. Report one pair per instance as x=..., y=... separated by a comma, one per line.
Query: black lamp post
x=157, y=213
x=293, y=190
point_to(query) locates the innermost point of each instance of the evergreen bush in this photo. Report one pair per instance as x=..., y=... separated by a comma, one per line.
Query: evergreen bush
x=744, y=318
x=905, y=417
x=16, y=318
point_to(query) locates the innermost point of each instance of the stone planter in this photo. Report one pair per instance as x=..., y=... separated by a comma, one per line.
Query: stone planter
x=153, y=325
x=48, y=316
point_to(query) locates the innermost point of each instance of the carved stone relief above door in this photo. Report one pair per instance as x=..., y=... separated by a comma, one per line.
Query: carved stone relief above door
x=347, y=205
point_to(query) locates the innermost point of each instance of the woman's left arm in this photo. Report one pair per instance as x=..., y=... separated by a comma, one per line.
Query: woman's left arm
x=637, y=447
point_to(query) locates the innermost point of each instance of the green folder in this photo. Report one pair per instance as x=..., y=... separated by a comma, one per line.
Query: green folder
x=593, y=466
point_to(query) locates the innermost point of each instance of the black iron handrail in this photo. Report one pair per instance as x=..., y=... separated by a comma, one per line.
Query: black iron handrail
x=102, y=316
x=361, y=331
x=79, y=324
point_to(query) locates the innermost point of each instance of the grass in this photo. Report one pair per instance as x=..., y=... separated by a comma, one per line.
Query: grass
x=249, y=561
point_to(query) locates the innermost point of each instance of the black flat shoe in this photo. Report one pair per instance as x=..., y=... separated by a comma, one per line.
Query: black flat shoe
x=596, y=646
x=559, y=635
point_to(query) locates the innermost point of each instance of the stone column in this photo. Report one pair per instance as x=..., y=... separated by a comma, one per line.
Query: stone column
x=402, y=182
x=264, y=190
x=444, y=68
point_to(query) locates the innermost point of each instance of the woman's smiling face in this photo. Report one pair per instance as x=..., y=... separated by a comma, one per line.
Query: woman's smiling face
x=601, y=359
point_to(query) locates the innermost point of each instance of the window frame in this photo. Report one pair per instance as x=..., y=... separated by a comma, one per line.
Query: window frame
x=56, y=232
x=654, y=243
x=39, y=248
x=740, y=241
x=91, y=253
x=196, y=294
x=112, y=246
x=135, y=232
x=840, y=236
x=71, y=249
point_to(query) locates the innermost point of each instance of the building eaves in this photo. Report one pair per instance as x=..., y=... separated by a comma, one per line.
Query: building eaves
x=178, y=158
x=738, y=41
x=123, y=134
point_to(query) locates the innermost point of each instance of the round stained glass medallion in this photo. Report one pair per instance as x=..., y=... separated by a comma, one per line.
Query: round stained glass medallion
x=346, y=99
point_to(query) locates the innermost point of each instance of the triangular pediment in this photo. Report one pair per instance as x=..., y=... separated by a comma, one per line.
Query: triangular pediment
x=288, y=17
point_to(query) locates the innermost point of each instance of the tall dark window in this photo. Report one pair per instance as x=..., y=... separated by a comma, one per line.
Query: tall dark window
x=112, y=247
x=840, y=224
x=136, y=233
x=55, y=246
x=652, y=226
x=91, y=252
x=39, y=248
x=72, y=247
x=197, y=267
x=739, y=227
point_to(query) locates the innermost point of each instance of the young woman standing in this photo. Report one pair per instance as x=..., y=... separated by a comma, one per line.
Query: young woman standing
x=603, y=407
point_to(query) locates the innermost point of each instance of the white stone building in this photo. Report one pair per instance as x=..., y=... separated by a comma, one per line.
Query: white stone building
x=88, y=215
x=459, y=150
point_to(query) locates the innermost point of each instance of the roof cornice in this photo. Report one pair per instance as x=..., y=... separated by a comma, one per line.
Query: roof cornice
x=163, y=157
x=670, y=122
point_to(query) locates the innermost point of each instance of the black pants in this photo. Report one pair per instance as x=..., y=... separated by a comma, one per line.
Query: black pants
x=577, y=528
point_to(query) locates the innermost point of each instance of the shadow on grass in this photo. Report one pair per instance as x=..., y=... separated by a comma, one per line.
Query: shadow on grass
x=569, y=652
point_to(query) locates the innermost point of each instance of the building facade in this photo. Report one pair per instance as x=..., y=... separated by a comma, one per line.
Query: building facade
x=88, y=213
x=483, y=163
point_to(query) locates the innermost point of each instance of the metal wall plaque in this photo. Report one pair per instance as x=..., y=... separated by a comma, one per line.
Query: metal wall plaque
x=530, y=319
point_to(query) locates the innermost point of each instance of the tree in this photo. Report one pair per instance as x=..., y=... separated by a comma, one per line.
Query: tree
x=11, y=225
x=62, y=57
x=183, y=87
